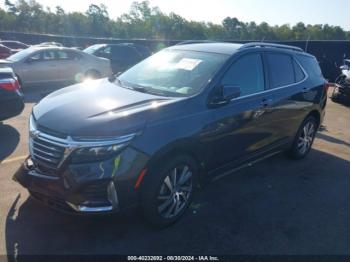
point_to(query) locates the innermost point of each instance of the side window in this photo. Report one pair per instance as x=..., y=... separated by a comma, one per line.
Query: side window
x=118, y=53
x=246, y=73
x=74, y=56
x=133, y=55
x=62, y=55
x=104, y=52
x=36, y=57
x=281, y=70
x=311, y=66
x=299, y=74
x=48, y=55
x=125, y=54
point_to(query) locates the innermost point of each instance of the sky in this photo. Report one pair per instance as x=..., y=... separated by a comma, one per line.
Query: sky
x=274, y=12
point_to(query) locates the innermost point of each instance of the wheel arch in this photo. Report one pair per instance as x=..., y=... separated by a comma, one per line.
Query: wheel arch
x=189, y=147
x=316, y=114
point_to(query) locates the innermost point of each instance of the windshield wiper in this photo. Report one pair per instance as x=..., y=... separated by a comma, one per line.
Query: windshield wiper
x=145, y=89
x=132, y=86
x=138, y=88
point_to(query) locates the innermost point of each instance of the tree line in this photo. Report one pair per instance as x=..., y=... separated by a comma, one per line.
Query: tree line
x=145, y=21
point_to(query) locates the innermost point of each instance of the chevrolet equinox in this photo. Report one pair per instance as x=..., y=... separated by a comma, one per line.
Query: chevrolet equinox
x=187, y=114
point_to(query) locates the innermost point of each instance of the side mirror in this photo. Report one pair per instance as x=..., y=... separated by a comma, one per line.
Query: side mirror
x=224, y=95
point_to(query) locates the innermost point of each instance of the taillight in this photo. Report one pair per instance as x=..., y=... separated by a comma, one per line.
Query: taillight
x=9, y=84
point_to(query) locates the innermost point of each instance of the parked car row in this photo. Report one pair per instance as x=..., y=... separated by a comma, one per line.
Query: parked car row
x=5, y=52
x=51, y=62
x=44, y=65
x=8, y=48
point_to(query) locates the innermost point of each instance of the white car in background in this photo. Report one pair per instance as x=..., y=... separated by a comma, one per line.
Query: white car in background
x=43, y=65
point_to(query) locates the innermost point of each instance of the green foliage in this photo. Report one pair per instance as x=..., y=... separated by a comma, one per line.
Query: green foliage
x=144, y=21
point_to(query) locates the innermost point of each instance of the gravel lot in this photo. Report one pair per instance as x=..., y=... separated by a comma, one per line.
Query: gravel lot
x=278, y=206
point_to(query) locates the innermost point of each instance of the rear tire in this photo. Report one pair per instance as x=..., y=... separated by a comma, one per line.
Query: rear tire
x=168, y=189
x=304, y=138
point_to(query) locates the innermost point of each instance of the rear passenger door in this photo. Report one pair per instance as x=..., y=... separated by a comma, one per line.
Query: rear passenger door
x=286, y=79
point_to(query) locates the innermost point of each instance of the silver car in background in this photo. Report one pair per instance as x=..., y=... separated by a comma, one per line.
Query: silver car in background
x=42, y=65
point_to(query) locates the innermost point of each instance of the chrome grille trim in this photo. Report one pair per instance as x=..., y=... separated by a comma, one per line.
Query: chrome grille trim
x=45, y=146
x=59, y=149
x=44, y=152
x=44, y=158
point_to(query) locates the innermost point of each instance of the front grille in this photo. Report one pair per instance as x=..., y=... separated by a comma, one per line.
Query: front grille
x=47, y=154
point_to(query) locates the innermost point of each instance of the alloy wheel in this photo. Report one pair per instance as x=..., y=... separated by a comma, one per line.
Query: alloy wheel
x=175, y=192
x=306, y=137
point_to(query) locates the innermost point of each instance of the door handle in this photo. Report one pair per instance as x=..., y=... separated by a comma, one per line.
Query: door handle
x=266, y=102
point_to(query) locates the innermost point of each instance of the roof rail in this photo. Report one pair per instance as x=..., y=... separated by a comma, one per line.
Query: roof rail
x=261, y=44
x=195, y=42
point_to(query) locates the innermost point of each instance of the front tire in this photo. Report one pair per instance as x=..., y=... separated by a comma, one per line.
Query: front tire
x=304, y=138
x=168, y=190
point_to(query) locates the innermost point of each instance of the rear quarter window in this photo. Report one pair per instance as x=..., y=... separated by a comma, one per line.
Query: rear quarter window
x=310, y=65
x=299, y=74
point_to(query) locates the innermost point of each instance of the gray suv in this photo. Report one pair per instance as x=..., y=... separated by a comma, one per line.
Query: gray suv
x=185, y=115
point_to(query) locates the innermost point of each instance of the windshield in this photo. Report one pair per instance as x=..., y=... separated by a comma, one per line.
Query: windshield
x=20, y=55
x=91, y=49
x=173, y=72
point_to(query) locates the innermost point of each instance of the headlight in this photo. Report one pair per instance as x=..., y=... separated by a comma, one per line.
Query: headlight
x=32, y=125
x=95, y=154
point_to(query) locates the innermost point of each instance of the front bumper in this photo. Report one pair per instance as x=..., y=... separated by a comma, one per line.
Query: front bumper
x=89, y=188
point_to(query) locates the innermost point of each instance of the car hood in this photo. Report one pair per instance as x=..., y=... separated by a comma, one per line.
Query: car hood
x=96, y=109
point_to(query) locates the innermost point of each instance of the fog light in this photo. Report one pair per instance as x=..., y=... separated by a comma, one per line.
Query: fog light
x=112, y=195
